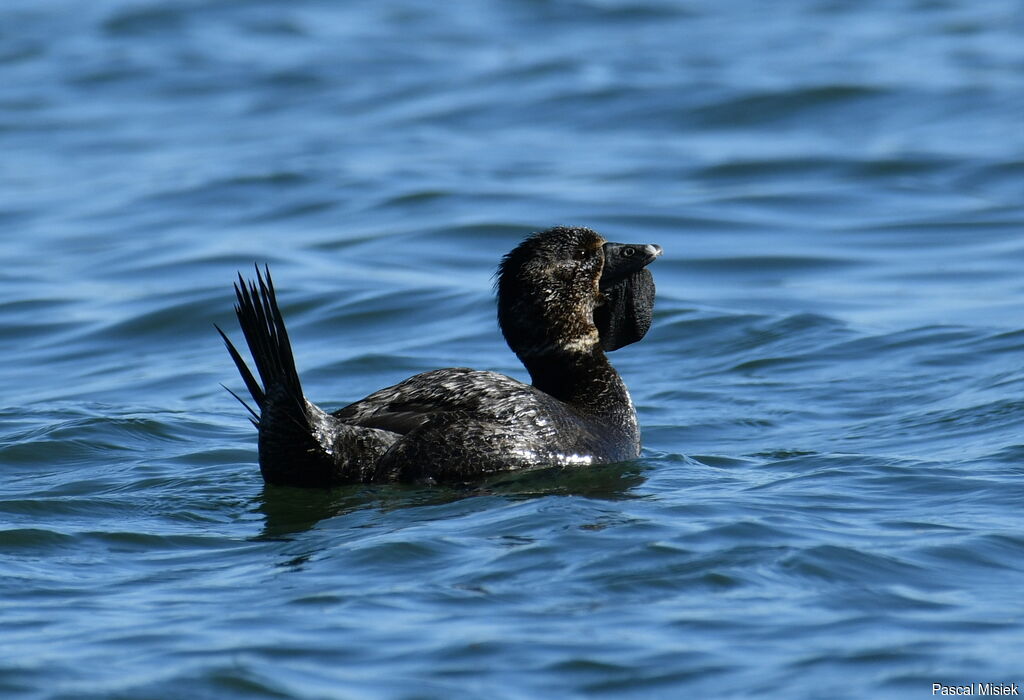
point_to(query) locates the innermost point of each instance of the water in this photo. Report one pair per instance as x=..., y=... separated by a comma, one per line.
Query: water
x=828, y=504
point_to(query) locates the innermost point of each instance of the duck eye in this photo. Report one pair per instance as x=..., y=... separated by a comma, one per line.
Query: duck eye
x=579, y=254
x=628, y=252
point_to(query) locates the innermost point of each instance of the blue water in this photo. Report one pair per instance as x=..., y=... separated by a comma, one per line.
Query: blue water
x=832, y=395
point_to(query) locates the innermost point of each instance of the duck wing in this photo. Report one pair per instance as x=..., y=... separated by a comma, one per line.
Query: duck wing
x=413, y=403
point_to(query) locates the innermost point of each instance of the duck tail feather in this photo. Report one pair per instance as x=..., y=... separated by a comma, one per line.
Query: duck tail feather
x=255, y=391
x=267, y=337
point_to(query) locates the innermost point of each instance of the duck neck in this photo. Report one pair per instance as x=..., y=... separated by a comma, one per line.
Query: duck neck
x=583, y=379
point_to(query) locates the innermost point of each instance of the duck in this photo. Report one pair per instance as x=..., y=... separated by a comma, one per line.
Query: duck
x=565, y=298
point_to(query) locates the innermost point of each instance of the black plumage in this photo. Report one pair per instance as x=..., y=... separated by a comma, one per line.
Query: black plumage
x=565, y=295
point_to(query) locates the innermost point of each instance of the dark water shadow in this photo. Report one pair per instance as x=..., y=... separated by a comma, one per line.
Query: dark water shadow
x=289, y=510
x=611, y=482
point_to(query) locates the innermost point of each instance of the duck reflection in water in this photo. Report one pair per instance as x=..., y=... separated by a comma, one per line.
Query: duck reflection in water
x=289, y=510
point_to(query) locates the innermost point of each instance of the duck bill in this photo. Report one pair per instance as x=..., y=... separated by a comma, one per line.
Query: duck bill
x=622, y=260
x=627, y=290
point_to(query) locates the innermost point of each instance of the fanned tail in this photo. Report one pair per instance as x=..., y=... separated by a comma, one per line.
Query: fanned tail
x=267, y=338
x=299, y=444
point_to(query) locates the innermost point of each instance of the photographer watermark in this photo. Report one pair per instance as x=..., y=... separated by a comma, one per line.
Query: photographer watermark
x=976, y=689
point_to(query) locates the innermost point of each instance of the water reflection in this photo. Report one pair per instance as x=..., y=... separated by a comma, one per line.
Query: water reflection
x=289, y=510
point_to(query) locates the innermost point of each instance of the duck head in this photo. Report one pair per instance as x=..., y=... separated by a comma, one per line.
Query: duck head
x=567, y=290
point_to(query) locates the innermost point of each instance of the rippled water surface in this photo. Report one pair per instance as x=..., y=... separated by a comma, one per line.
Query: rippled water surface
x=832, y=395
